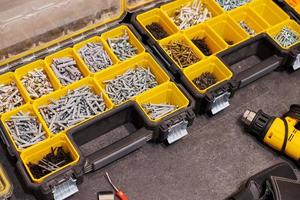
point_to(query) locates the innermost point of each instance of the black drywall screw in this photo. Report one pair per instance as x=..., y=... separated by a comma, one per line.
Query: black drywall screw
x=157, y=31
x=202, y=45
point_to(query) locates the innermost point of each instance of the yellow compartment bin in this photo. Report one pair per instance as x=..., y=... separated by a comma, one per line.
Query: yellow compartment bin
x=269, y=11
x=35, y=154
x=290, y=24
x=25, y=108
x=69, y=52
x=247, y=15
x=39, y=64
x=212, y=65
x=144, y=60
x=179, y=37
x=157, y=16
x=171, y=8
x=6, y=187
x=95, y=39
x=166, y=93
x=63, y=92
x=213, y=41
x=228, y=30
x=9, y=78
x=118, y=32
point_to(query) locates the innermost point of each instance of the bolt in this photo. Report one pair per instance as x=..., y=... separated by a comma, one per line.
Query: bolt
x=205, y=80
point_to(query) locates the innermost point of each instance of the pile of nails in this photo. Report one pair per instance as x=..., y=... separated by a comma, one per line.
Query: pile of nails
x=25, y=130
x=133, y=82
x=37, y=83
x=191, y=14
x=157, y=31
x=228, y=5
x=95, y=56
x=10, y=97
x=157, y=111
x=54, y=160
x=202, y=45
x=76, y=106
x=122, y=47
x=205, y=80
x=66, y=70
x=247, y=28
x=181, y=53
x=287, y=37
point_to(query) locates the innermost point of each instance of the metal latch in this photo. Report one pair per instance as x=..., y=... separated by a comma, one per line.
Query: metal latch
x=296, y=64
x=65, y=189
x=220, y=103
x=177, y=131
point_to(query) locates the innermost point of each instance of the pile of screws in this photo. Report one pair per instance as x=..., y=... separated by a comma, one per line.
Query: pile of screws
x=228, y=5
x=191, y=14
x=206, y=80
x=181, y=53
x=229, y=42
x=78, y=105
x=66, y=70
x=10, y=97
x=287, y=37
x=54, y=160
x=25, y=130
x=37, y=83
x=157, y=31
x=247, y=28
x=157, y=111
x=122, y=47
x=202, y=45
x=95, y=56
x=131, y=83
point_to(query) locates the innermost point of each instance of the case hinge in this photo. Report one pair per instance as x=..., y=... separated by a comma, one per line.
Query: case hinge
x=65, y=189
x=220, y=103
x=296, y=64
x=177, y=131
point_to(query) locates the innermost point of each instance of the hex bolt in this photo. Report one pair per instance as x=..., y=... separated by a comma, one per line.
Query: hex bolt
x=228, y=5
x=247, y=28
x=77, y=105
x=10, y=97
x=66, y=70
x=95, y=56
x=131, y=83
x=122, y=47
x=286, y=37
x=37, y=83
x=191, y=14
x=157, y=111
x=205, y=80
x=25, y=130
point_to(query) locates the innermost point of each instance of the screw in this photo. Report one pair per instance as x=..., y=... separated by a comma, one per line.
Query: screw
x=157, y=31
x=10, y=97
x=247, y=28
x=286, y=37
x=202, y=45
x=205, y=80
x=157, y=111
x=228, y=5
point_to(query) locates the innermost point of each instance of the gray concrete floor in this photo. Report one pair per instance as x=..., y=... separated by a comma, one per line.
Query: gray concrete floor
x=210, y=163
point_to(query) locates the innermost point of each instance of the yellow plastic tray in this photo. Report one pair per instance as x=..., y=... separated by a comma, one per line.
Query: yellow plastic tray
x=156, y=15
x=276, y=29
x=143, y=60
x=211, y=64
x=95, y=39
x=213, y=41
x=39, y=64
x=24, y=109
x=37, y=153
x=61, y=93
x=6, y=187
x=165, y=93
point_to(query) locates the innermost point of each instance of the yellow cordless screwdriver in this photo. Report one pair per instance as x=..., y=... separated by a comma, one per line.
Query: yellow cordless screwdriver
x=282, y=134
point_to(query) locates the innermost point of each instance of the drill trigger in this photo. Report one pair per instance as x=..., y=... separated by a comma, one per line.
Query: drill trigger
x=286, y=134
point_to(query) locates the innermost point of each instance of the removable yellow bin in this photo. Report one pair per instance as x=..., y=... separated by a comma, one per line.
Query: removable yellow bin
x=35, y=154
x=179, y=37
x=6, y=187
x=120, y=31
x=144, y=60
x=69, y=52
x=39, y=64
x=269, y=11
x=213, y=41
x=290, y=24
x=212, y=65
x=95, y=39
x=9, y=78
x=171, y=8
x=165, y=93
x=24, y=109
x=254, y=21
x=157, y=16
x=228, y=30
x=63, y=92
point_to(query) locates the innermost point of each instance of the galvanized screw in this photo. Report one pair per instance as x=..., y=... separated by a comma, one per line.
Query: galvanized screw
x=286, y=37
x=228, y=5
x=247, y=28
x=10, y=97
x=157, y=111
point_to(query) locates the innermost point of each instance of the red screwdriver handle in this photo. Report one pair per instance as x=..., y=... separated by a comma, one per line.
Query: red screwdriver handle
x=121, y=195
